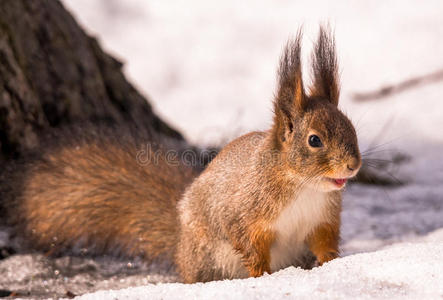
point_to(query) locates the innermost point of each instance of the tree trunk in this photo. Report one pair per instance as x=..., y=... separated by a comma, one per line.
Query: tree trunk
x=53, y=74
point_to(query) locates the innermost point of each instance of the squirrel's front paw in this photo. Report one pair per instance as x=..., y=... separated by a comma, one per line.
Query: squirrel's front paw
x=324, y=258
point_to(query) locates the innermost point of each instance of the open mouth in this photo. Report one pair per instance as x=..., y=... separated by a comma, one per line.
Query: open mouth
x=338, y=182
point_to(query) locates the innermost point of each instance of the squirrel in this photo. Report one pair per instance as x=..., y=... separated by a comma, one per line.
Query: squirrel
x=270, y=198
x=267, y=201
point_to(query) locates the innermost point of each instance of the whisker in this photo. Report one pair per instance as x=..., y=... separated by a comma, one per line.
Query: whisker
x=378, y=162
x=369, y=152
x=392, y=176
x=388, y=173
x=376, y=159
x=381, y=145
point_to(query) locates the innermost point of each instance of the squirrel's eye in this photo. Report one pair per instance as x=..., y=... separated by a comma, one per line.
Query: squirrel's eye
x=314, y=141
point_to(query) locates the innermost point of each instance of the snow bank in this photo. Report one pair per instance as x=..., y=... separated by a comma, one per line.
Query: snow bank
x=403, y=271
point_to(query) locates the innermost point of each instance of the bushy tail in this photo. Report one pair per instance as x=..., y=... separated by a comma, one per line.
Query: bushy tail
x=111, y=194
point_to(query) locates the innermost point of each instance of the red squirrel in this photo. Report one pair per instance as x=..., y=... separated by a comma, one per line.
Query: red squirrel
x=270, y=197
x=267, y=201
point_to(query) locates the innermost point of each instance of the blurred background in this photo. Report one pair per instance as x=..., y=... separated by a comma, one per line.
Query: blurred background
x=209, y=67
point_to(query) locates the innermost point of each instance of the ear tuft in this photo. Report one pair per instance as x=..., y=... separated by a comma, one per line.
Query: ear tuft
x=290, y=94
x=325, y=68
x=290, y=99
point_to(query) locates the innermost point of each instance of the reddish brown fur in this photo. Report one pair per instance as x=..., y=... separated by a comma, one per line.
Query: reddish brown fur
x=324, y=240
x=94, y=195
x=256, y=249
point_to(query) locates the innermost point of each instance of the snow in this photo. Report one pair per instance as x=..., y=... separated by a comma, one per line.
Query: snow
x=403, y=271
x=209, y=68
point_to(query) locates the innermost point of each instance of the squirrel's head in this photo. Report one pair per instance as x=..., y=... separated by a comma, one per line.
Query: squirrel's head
x=317, y=141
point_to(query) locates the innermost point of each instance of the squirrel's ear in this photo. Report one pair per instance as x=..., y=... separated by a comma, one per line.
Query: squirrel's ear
x=324, y=68
x=290, y=98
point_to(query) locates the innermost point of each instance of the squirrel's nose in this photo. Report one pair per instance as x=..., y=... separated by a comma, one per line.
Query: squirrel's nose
x=353, y=164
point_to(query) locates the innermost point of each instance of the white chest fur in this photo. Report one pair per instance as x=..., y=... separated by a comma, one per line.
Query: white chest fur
x=296, y=221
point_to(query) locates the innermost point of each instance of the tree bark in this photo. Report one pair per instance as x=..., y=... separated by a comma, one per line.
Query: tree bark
x=53, y=74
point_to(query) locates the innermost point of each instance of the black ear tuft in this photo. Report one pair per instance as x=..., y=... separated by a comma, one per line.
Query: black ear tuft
x=290, y=98
x=325, y=68
x=290, y=93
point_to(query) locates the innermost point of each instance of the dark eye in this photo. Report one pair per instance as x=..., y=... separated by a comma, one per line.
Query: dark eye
x=314, y=141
